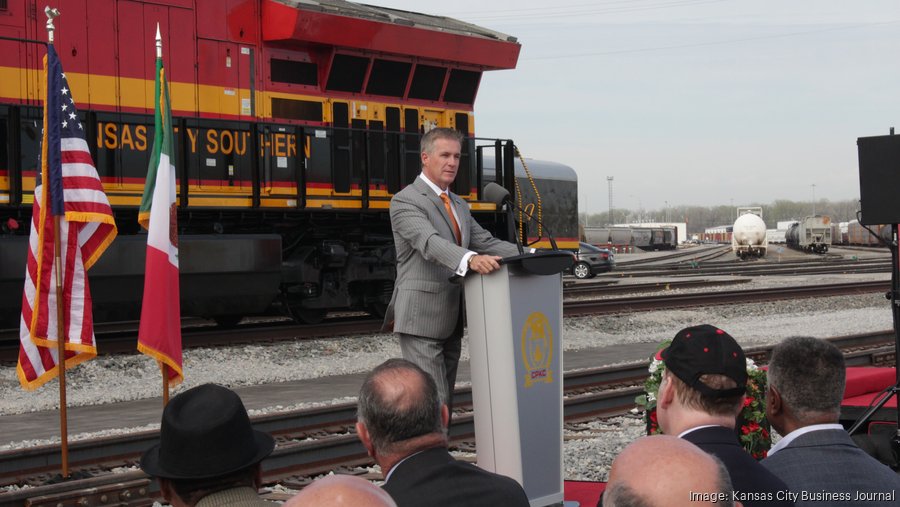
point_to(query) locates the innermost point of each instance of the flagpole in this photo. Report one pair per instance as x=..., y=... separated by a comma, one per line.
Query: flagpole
x=163, y=369
x=60, y=325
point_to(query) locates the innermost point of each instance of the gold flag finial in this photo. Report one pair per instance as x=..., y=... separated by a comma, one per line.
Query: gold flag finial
x=52, y=13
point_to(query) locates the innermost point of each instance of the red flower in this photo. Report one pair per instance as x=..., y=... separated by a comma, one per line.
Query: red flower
x=653, y=417
x=753, y=426
x=748, y=400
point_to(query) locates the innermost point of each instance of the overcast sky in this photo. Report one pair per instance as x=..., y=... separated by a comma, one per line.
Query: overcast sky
x=691, y=101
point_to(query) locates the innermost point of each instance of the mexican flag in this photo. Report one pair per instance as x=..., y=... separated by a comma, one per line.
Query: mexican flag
x=160, y=329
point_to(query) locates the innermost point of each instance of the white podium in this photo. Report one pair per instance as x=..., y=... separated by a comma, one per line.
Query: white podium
x=514, y=319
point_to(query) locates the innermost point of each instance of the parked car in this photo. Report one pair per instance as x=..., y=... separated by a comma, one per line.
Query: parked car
x=592, y=260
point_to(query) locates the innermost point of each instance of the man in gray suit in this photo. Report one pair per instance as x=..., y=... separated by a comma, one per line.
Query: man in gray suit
x=436, y=237
x=817, y=459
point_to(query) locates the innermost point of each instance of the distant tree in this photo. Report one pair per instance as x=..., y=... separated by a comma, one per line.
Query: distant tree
x=699, y=218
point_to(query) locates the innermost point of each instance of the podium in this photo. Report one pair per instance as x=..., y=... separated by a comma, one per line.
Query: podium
x=514, y=319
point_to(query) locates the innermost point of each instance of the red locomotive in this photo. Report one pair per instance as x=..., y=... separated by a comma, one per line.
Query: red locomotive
x=295, y=122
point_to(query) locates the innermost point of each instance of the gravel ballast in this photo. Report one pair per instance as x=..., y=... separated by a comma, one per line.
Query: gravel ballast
x=587, y=456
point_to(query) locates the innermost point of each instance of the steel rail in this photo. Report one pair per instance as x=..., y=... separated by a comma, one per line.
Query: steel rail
x=301, y=452
x=638, y=303
x=122, y=342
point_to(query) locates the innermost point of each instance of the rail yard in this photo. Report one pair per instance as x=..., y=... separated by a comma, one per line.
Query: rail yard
x=299, y=381
x=292, y=135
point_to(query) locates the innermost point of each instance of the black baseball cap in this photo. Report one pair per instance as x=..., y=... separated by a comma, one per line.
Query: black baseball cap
x=702, y=350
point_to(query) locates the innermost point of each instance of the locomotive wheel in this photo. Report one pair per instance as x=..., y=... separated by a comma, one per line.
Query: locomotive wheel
x=581, y=270
x=378, y=309
x=227, y=321
x=309, y=315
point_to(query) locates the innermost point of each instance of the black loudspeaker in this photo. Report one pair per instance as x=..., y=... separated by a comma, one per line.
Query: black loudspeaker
x=879, y=179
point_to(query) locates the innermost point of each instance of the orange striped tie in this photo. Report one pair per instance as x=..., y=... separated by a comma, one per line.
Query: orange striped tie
x=452, y=218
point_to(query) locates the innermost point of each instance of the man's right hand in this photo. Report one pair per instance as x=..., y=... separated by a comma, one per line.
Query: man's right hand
x=484, y=264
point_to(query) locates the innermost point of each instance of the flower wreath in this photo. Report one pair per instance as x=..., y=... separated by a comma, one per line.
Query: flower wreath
x=754, y=427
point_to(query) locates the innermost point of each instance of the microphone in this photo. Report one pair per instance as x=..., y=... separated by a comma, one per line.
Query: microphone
x=498, y=195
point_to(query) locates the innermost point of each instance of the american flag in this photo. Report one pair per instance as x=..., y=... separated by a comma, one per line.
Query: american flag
x=67, y=186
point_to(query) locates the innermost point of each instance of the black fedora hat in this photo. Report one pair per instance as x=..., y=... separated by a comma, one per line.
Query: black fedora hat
x=205, y=432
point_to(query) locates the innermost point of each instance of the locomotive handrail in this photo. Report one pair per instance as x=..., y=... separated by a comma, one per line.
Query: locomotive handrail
x=19, y=39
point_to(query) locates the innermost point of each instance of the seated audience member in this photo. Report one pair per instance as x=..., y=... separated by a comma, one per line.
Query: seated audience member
x=208, y=453
x=682, y=474
x=403, y=425
x=341, y=491
x=816, y=457
x=700, y=397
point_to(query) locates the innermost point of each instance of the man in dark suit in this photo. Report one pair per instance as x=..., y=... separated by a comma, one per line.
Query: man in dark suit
x=816, y=457
x=436, y=237
x=700, y=397
x=403, y=425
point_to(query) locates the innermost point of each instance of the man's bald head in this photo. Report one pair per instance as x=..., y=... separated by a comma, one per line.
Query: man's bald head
x=398, y=401
x=679, y=470
x=341, y=491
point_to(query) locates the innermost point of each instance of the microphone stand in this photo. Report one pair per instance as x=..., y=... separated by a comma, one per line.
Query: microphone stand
x=511, y=225
x=895, y=311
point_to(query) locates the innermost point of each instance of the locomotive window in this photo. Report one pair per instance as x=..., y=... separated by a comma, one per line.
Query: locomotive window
x=392, y=151
x=30, y=142
x=3, y=5
x=347, y=73
x=465, y=174
x=427, y=82
x=358, y=149
x=287, y=71
x=290, y=109
x=5, y=163
x=341, y=156
x=462, y=86
x=412, y=160
x=462, y=123
x=388, y=78
x=376, y=151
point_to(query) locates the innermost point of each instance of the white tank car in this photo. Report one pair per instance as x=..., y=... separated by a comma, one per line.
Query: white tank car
x=748, y=237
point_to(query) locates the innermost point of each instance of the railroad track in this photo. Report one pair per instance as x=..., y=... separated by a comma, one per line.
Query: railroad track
x=125, y=341
x=766, y=268
x=640, y=303
x=609, y=287
x=699, y=253
x=316, y=441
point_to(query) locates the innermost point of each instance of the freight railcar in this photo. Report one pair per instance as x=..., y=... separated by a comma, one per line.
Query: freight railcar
x=860, y=236
x=811, y=234
x=295, y=123
x=645, y=238
x=749, y=238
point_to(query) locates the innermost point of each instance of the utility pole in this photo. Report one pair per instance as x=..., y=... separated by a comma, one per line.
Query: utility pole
x=609, y=217
x=814, y=198
x=667, y=211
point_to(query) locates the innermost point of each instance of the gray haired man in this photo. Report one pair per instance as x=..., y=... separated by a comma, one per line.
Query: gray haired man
x=817, y=459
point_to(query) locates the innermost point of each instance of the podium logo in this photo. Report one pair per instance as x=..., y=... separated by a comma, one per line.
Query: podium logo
x=537, y=349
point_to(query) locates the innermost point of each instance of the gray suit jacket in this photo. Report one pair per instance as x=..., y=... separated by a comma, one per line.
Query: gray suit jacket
x=424, y=302
x=829, y=460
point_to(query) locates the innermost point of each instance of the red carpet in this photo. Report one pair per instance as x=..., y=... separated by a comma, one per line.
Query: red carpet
x=585, y=493
x=865, y=383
